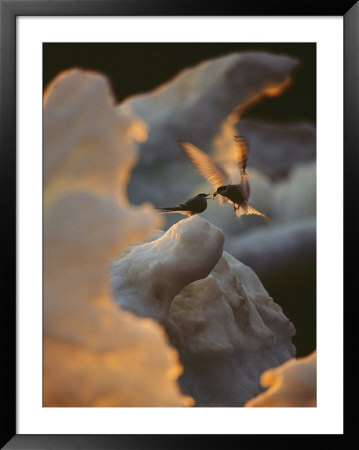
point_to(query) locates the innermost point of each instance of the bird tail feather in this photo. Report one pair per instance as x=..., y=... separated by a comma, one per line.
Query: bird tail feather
x=169, y=209
x=174, y=209
x=249, y=209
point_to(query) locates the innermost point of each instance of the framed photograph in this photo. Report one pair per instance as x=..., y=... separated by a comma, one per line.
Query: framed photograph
x=175, y=184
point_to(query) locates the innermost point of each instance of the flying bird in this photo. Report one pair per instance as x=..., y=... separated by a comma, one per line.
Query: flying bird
x=237, y=194
x=190, y=207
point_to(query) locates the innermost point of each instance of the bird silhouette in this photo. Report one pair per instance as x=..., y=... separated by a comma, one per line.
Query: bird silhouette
x=237, y=194
x=190, y=207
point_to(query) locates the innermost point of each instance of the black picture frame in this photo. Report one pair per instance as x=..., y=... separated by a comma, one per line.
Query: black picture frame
x=10, y=9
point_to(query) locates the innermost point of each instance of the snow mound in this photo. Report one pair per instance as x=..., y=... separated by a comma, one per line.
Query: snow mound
x=215, y=310
x=94, y=353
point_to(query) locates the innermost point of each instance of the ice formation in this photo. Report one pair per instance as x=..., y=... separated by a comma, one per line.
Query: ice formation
x=94, y=353
x=286, y=243
x=194, y=105
x=148, y=277
x=205, y=105
x=200, y=105
x=214, y=308
x=291, y=384
x=295, y=197
x=223, y=327
x=275, y=148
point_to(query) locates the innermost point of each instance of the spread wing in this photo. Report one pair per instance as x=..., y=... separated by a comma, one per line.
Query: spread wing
x=249, y=209
x=205, y=165
x=242, y=155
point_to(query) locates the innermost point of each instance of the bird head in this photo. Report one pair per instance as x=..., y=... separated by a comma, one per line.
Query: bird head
x=204, y=196
x=220, y=190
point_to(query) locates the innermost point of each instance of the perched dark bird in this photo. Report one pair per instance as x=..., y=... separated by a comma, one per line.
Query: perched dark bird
x=237, y=194
x=190, y=207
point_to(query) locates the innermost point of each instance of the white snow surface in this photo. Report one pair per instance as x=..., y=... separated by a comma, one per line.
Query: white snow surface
x=148, y=277
x=206, y=105
x=95, y=354
x=218, y=315
x=128, y=307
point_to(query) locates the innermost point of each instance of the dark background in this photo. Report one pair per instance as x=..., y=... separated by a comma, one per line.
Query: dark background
x=140, y=67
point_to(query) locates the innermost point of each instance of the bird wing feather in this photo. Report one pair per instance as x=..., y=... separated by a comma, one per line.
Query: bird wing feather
x=242, y=152
x=249, y=209
x=205, y=165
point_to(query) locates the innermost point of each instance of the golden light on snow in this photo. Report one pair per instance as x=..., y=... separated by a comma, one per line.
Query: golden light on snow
x=291, y=384
x=95, y=354
x=109, y=295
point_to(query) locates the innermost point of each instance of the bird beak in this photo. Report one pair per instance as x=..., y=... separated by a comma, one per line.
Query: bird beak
x=208, y=197
x=213, y=195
